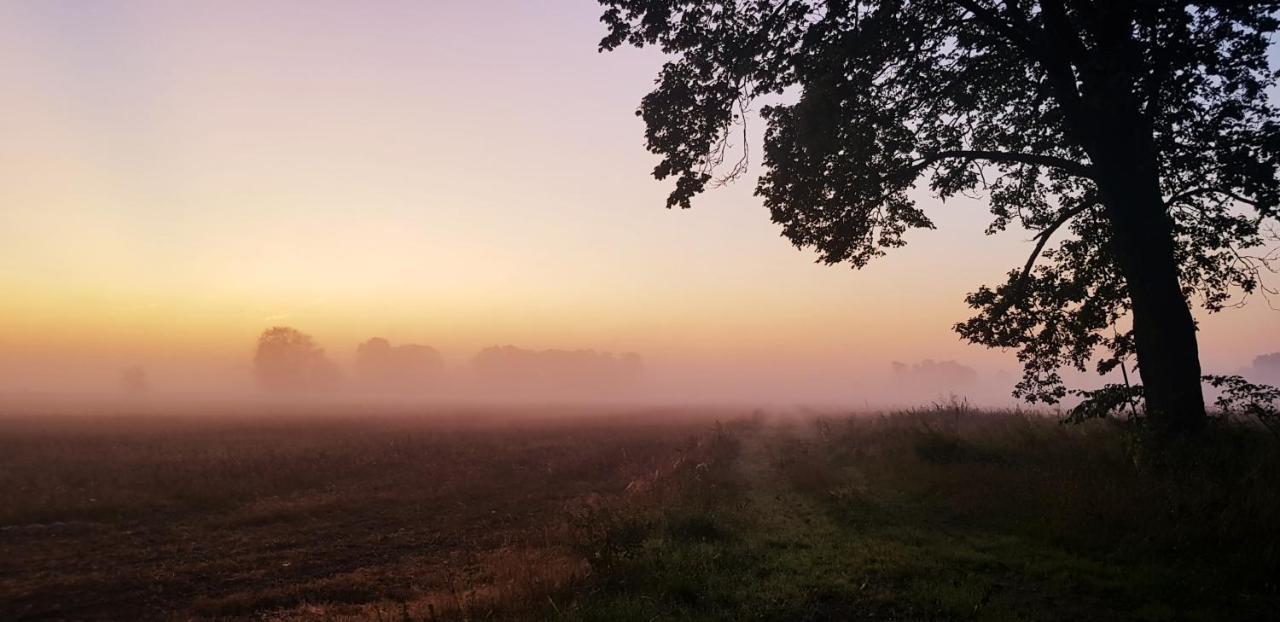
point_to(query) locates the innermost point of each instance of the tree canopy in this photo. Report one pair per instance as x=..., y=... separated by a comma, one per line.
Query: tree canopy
x=1065, y=115
x=289, y=361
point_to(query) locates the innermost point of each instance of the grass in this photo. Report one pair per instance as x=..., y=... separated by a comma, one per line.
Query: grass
x=943, y=514
x=947, y=515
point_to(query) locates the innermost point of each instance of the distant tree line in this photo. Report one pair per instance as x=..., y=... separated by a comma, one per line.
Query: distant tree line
x=288, y=361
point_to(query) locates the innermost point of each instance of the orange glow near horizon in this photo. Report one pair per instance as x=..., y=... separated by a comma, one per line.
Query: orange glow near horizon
x=175, y=179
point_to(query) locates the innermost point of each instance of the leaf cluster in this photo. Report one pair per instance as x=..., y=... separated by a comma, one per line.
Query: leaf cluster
x=990, y=99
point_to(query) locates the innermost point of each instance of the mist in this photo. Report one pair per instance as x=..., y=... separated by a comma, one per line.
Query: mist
x=379, y=369
x=501, y=373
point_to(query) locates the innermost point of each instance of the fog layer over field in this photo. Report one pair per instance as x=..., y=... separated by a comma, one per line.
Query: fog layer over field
x=287, y=365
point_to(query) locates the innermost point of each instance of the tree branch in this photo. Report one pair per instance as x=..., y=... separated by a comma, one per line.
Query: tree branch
x=1230, y=4
x=1059, y=26
x=1030, y=39
x=1187, y=194
x=1031, y=159
x=992, y=19
x=1042, y=238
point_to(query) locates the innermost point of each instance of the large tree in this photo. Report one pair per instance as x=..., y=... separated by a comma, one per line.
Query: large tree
x=1134, y=138
x=288, y=360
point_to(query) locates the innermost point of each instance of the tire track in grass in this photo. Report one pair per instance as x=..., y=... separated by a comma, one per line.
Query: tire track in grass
x=809, y=568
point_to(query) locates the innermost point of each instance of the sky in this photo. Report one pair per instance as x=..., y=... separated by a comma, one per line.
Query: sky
x=176, y=177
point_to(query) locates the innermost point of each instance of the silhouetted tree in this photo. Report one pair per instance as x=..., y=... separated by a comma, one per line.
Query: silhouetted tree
x=288, y=360
x=401, y=368
x=1139, y=130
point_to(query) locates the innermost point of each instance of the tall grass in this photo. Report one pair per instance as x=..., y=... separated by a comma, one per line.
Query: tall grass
x=1093, y=487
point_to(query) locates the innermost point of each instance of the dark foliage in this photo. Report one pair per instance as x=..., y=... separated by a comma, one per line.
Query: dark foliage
x=1243, y=398
x=1140, y=133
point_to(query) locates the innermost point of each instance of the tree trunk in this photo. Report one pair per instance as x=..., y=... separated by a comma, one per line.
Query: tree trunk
x=1108, y=123
x=1164, y=330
